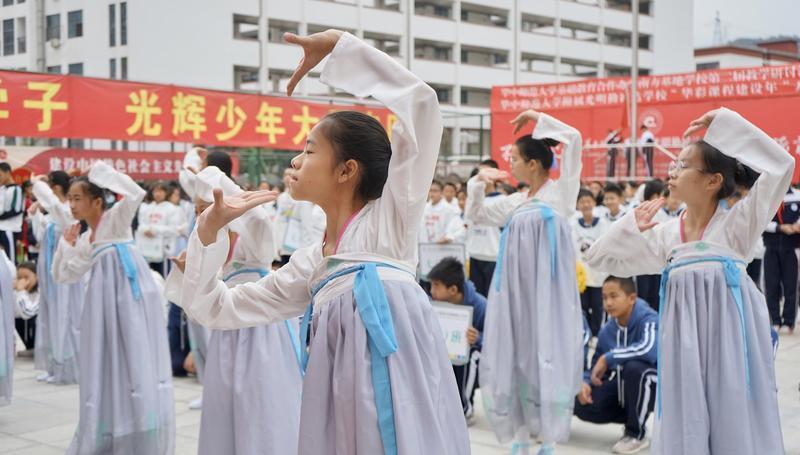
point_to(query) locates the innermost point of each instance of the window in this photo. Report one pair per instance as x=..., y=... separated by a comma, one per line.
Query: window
x=446, y=145
x=112, y=25
x=123, y=24
x=75, y=24
x=53, y=26
x=537, y=63
x=279, y=79
x=386, y=43
x=75, y=68
x=616, y=37
x=431, y=50
x=112, y=68
x=276, y=29
x=444, y=93
x=8, y=37
x=123, y=68
x=433, y=8
x=478, y=97
x=245, y=27
x=644, y=41
x=579, y=31
x=21, y=41
x=393, y=5
x=245, y=79
x=574, y=67
x=625, y=5
x=8, y=2
x=471, y=142
x=56, y=69
x=538, y=24
x=482, y=15
x=708, y=66
x=484, y=57
x=75, y=143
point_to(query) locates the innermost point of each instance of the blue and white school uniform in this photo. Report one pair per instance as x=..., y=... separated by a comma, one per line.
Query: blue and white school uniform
x=126, y=401
x=532, y=347
x=717, y=389
x=378, y=378
x=60, y=304
x=252, y=379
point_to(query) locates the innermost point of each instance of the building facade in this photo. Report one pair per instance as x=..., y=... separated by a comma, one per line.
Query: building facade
x=461, y=48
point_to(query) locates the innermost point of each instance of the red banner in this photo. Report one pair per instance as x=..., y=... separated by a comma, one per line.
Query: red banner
x=767, y=96
x=139, y=165
x=45, y=105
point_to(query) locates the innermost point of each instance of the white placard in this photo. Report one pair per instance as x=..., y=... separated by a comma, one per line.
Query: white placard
x=431, y=254
x=454, y=320
x=152, y=248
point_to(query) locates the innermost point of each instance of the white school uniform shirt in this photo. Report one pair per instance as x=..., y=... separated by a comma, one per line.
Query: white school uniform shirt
x=584, y=236
x=560, y=194
x=456, y=231
x=12, y=200
x=625, y=251
x=26, y=304
x=435, y=220
x=385, y=229
x=612, y=218
x=70, y=263
x=483, y=240
x=164, y=219
x=453, y=203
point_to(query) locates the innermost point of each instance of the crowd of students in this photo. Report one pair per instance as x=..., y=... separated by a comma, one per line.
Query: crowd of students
x=299, y=310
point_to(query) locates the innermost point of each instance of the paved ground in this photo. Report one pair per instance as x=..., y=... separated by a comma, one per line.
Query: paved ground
x=42, y=417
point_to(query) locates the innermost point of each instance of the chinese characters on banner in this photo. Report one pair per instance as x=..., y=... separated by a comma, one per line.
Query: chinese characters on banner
x=139, y=165
x=44, y=105
x=667, y=103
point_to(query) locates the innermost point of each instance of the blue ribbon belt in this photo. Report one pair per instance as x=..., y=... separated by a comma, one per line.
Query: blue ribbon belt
x=548, y=216
x=733, y=280
x=289, y=328
x=128, y=266
x=373, y=309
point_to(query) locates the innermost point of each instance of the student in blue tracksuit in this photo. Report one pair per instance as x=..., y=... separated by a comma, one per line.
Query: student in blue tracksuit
x=448, y=284
x=621, y=385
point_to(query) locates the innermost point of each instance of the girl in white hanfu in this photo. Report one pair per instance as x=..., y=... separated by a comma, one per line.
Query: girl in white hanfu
x=717, y=391
x=378, y=378
x=126, y=403
x=60, y=304
x=252, y=378
x=531, y=362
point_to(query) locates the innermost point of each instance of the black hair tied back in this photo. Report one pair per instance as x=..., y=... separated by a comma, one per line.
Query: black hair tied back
x=537, y=149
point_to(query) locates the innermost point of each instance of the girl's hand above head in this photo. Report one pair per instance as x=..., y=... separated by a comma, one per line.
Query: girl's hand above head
x=315, y=48
x=226, y=209
x=523, y=119
x=701, y=123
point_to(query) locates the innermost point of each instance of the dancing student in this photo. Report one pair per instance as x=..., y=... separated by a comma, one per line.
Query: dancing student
x=532, y=343
x=378, y=378
x=60, y=304
x=717, y=390
x=126, y=403
x=251, y=378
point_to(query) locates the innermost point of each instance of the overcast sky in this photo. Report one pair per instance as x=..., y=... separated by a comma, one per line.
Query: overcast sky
x=745, y=18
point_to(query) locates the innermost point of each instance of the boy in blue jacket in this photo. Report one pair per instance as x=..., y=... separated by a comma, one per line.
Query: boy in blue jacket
x=448, y=284
x=621, y=385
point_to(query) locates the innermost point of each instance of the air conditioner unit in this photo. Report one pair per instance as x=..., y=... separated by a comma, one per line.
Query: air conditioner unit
x=55, y=43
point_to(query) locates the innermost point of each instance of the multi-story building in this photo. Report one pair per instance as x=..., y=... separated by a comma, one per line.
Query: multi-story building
x=743, y=55
x=461, y=48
